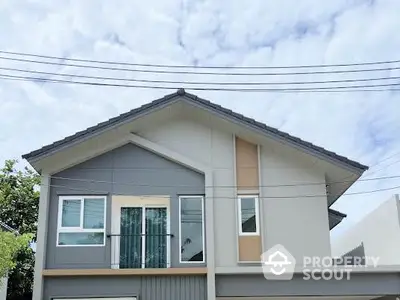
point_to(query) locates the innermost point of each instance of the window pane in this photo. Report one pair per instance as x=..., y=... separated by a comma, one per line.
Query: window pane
x=71, y=213
x=248, y=214
x=131, y=238
x=156, y=238
x=81, y=238
x=191, y=229
x=93, y=213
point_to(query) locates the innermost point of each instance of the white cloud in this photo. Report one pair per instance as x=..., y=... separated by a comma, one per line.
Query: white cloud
x=362, y=126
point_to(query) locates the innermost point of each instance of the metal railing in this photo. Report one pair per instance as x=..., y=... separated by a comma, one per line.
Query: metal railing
x=135, y=251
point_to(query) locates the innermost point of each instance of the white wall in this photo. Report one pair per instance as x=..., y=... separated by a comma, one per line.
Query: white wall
x=3, y=288
x=300, y=224
x=379, y=231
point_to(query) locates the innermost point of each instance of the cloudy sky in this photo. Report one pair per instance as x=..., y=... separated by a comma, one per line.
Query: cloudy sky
x=364, y=126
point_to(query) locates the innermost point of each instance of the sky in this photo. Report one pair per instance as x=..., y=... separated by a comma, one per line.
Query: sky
x=363, y=126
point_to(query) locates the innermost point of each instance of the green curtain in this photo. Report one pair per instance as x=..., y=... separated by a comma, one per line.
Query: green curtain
x=156, y=238
x=130, y=238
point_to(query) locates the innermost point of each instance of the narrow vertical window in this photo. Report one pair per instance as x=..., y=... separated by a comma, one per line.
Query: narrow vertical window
x=191, y=229
x=248, y=215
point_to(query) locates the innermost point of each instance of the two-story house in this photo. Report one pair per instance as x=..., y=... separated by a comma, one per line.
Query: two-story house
x=177, y=199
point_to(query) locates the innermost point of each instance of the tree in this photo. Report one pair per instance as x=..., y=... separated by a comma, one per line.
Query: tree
x=10, y=244
x=19, y=204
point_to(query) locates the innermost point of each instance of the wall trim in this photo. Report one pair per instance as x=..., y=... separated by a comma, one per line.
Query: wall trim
x=122, y=272
x=40, y=255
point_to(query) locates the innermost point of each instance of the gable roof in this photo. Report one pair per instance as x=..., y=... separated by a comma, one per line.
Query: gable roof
x=227, y=113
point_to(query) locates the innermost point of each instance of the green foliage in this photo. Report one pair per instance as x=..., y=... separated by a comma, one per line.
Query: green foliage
x=19, y=198
x=19, y=205
x=10, y=244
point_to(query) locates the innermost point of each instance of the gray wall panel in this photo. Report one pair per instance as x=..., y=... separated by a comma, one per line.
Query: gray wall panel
x=376, y=283
x=149, y=174
x=146, y=287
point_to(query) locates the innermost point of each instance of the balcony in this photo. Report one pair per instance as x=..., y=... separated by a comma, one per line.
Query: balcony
x=138, y=251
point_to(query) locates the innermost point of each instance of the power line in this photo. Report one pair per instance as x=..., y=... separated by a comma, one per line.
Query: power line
x=198, y=73
x=201, y=67
x=385, y=167
x=198, y=82
x=221, y=186
x=350, y=88
x=219, y=197
x=380, y=162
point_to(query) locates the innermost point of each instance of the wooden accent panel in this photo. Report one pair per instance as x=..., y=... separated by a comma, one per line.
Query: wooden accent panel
x=249, y=248
x=149, y=200
x=119, y=272
x=246, y=165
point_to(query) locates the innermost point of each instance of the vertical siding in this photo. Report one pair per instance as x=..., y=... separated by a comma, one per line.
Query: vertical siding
x=145, y=287
x=173, y=287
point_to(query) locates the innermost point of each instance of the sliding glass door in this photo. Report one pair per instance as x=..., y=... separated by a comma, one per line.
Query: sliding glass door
x=144, y=239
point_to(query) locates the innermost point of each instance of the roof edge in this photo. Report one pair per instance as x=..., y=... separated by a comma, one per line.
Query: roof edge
x=294, y=141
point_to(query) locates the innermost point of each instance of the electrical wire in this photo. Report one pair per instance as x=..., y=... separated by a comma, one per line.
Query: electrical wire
x=198, y=82
x=384, y=167
x=221, y=186
x=198, y=73
x=363, y=88
x=200, y=67
x=220, y=197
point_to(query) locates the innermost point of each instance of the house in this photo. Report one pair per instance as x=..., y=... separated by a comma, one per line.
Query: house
x=377, y=235
x=177, y=199
x=4, y=281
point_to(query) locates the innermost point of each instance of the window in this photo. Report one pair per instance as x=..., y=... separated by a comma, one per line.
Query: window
x=248, y=215
x=191, y=229
x=81, y=221
x=144, y=238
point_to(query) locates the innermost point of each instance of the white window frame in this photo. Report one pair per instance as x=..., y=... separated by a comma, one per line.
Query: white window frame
x=115, y=251
x=80, y=229
x=257, y=216
x=202, y=228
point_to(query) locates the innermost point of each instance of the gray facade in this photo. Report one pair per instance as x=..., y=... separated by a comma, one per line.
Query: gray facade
x=128, y=170
x=145, y=287
x=359, y=284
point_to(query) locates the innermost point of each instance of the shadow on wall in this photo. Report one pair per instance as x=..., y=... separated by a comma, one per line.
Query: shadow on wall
x=355, y=256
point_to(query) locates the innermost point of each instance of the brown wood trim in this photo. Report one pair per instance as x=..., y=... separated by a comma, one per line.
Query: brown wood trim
x=246, y=165
x=249, y=248
x=119, y=272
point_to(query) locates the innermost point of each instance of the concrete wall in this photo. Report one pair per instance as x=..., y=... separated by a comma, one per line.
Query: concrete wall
x=149, y=174
x=300, y=224
x=379, y=233
x=145, y=288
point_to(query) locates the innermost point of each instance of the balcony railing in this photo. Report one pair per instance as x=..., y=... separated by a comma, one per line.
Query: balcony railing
x=135, y=251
